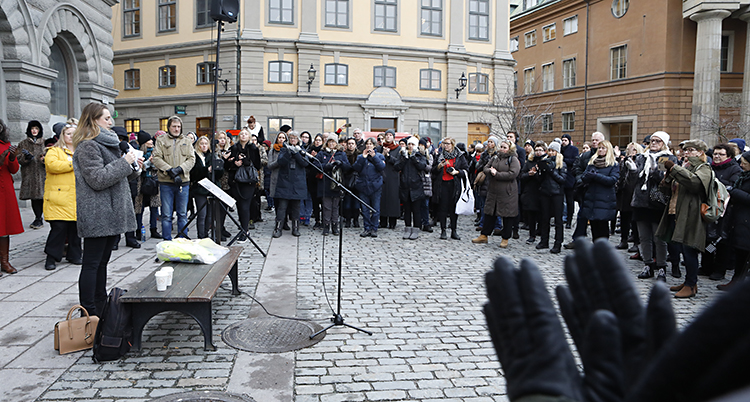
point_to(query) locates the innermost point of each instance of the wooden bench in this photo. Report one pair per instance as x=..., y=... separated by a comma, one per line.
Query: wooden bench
x=193, y=288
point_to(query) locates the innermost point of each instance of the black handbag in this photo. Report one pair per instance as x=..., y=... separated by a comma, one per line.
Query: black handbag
x=246, y=175
x=149, y=186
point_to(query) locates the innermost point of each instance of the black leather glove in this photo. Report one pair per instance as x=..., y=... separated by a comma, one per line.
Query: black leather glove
x=174, y=174
x=598, y=279
x=532, y=347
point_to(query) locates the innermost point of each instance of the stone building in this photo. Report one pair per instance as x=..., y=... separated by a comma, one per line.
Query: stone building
x=628, y=69
x=377, y=64
x=56, y=57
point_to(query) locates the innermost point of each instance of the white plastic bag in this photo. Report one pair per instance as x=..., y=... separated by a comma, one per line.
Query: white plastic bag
x=465, y=204
x=203, y=251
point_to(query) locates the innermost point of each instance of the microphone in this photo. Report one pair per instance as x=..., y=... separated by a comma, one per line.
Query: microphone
x=125, y=148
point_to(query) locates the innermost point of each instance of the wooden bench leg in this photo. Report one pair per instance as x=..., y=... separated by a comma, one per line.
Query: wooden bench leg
x=201, y=312
x=234, y=277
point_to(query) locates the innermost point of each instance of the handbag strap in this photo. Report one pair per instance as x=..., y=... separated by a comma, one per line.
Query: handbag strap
x=70, y=312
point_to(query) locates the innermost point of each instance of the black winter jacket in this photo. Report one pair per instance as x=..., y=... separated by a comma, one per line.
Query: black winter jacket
x=411, y=169
x=553, y=180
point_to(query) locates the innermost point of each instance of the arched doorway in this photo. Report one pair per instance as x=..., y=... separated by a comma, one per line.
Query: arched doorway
x=62, y=91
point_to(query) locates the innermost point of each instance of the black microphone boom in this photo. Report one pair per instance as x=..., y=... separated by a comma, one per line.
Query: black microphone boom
x=125, y=148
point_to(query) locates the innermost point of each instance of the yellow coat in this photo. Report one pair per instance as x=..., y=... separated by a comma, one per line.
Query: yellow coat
x=60, y=186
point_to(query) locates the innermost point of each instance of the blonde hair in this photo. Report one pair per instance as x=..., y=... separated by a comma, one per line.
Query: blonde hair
x=634, y=146
x=227, y=142
x=609, y=158
x=197, y=144
x=61, y=140
x=558, y=160
x=87, y=127
x=451, y=140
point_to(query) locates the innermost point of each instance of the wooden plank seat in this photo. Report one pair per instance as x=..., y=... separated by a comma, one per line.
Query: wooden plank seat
x=193, y=288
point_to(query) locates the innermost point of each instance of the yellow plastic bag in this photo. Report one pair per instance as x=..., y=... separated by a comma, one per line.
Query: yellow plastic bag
x=203, y=251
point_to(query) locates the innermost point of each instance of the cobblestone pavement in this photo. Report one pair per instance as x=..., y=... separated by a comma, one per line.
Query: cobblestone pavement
x=421, y=299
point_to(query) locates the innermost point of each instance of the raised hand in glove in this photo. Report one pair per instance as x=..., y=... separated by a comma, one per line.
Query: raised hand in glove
x=174, y=174
x=630, y=164
x=532, y=347
x=668, y=164
x=598, y=279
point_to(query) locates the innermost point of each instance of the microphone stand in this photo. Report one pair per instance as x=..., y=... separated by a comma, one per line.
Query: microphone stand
x=338, y=319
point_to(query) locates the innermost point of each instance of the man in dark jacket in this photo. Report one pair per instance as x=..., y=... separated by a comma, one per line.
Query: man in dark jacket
x=578, y=168
x=569, y=153
x=521, y=153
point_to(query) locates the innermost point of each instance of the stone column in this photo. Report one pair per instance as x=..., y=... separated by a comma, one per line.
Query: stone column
x=502, y=30
x=251, y=19
x=456, y=30
x=707, y=76
x=745, y=108
x=308, y=21
x=27, y=88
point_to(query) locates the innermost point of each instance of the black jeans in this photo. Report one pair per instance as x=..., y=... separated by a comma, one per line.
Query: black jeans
x=552, y=206
x=412, y=209
x=59, y=231
x=286, y=207
x=447, y=207
x=92, y=281
x=581, y=227
x=37, y=206
x=570, y=203
x=599, y=229
x=507, y=229
x=244, y=196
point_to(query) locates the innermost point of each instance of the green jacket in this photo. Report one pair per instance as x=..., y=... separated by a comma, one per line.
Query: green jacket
x=170, y=152
x=692, y=184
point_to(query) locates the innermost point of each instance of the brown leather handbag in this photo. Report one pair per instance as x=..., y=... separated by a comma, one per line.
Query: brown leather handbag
x=75, y=334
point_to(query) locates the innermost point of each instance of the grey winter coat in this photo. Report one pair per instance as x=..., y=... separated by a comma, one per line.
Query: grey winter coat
x=502, y=188
x=104, y=205
x=33, y=172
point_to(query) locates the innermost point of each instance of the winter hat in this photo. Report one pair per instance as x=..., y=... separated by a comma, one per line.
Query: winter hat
x=568, y=137
x=530, y=142
x=697, y=144
x=740, y=143
x=461, y=146
x=663, y=136
x=143, y=137
x=413, y=140
x=390, y=130
x=494, y=139
x=647, y=139
x=423, y=141
x=479, y=146
x=746, y=156
x=121, y=133
x=159, y=134
x=58, y=128
x=267, y=143
x=557, y=140
x=554, y=145
x=285, y=128
x=332, y=137
x=37, y=124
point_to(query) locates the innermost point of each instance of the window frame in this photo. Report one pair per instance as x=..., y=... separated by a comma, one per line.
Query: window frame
x=573, y=18
x=569, y=80
x=160, y=4
x=429, y=124
x=526, y=41
x=431, y=79
x=620, y=66
x=336, y=14
x=568, y=119
x=548, y=122
x=549, y=32
x=280, y=71
x=282, y=120
x=132, y=79
x=281, y=20
x=336, y=125
x=386, y=5
x=475, y=77
x=527, y=123
x=528, y=85
x=548, y=83
x=620, y=6
x=163, y=124
x=431, y=9
x=174, y=69
x=335, y=74
x=135, y=125
x=730, y=52
x=515, y=40
x=209, y=73
x=384, y=69
x=135, y=11
x=478, y=15
x=209, y=22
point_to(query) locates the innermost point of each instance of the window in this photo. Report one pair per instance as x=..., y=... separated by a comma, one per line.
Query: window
x=385, y=15
x=203, y=14
x=281, y=11
x=569, y=73
x=331, y=124
x=337, y=74
x=429, y=79
x=132, y=125
x=429, y=129
x=528, y=80
x=167, y=15
x=205, y=72
x=275, y=122
x=514, y=44
x=167, y=76
x=479, y=19
x=133, y=78
x=529, y=38
x=568, y=121
x=515, y=83
x=131, y=17
x=619, y=61
x=549, y=32
x=384, y=76
x=163, y=124
x=727, y=47
x=547, y=123
x=620, y=7
x=529, y=3
x=570, y=25
x=203, y=126
x=432, y=17
x=337, y=13
x=280, y=72
x=528, y=124
x=548, y=77
x=478, y=83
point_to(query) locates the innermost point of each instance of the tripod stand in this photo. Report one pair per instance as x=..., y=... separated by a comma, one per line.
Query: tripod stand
x=338, y=319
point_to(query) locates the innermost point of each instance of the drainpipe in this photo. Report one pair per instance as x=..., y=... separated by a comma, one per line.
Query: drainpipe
x=237, y=78
x=586, y=73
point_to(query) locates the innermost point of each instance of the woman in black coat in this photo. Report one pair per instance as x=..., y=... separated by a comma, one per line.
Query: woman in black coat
x=243, y=153
x=334, y=163
x=531, y=181
x=390, y=208
x=313, y=148
x=451, y=168
x=291, y=182
x=737, y=224
x=411, y=166
x=200, y=171
x=625, y=189
x=600, y=201
x=553, y=173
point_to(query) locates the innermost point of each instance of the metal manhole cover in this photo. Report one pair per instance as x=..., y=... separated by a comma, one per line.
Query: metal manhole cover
x=203, y=396
x=271, y=335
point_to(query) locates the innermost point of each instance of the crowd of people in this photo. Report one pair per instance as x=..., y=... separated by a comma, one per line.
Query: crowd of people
x=651, y=193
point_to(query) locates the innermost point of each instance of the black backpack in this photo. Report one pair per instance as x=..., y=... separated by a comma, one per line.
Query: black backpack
x=114, y=334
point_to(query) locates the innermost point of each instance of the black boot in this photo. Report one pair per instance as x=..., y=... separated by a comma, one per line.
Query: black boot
x=355, y=222
x=50, y=265
x=676, y=270
x=443, y=235
x=155, y=234
x=648, y=271
x=326, y=229
x=286, y=224
x=335, y=229
x=277, y=230
x=295, y=227
x=347, y=223
x=454, y=235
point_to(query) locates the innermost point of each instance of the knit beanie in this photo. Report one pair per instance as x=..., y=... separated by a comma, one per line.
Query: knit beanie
x=554, y=145
x=413, y=140
x=568, y=137
x=143, y=137
x=663, y=136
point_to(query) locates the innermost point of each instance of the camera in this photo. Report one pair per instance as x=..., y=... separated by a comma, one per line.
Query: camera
x=450, y=169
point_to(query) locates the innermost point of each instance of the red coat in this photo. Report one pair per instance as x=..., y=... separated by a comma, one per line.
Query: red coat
x=10, y=219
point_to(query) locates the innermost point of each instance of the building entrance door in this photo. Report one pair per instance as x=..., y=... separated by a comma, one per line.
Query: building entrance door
x=478, y=132
x=621, y=134
x=382, y=124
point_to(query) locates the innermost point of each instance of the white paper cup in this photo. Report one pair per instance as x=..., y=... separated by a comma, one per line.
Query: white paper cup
x=161, y=280
x=170, y=271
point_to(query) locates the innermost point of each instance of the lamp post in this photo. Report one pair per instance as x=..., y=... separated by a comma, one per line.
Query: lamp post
x=310, y=76
x=461, y=84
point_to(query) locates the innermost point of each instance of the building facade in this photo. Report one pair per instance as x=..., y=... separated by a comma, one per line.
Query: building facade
x=628, y=69
x=56, y=57
x=377, y=64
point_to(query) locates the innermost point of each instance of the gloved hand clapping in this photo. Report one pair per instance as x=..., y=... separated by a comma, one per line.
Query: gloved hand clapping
x=174, y=174
x=630, y=164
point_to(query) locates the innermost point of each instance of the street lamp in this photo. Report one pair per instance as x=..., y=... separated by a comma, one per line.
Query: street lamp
x=461, y=84
x=310, y=76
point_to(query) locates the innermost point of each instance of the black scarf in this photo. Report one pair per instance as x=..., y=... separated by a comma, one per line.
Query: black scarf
x=446, y=156
x=744, y=176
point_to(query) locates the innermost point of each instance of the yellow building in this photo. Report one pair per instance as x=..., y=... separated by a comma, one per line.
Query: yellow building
x=378, y=64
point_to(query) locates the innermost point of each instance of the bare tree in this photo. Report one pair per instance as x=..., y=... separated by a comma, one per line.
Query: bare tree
x=722, y=129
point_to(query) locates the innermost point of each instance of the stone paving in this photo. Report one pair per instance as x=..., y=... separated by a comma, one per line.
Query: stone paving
x=421, y=299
